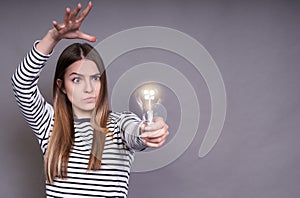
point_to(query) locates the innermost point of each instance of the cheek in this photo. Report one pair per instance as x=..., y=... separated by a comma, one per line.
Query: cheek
x=69, y=93
x=70, y=90
x=98, y=89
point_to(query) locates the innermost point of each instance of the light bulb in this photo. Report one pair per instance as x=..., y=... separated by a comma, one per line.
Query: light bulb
x=149, y=98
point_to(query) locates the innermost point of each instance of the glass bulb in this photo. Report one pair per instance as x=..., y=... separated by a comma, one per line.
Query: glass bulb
x=148, y=97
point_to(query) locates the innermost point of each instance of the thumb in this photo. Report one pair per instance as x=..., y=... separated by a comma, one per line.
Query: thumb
x=87, y=37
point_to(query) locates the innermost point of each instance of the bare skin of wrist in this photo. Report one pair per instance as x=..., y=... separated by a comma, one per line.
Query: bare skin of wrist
x=48, y=42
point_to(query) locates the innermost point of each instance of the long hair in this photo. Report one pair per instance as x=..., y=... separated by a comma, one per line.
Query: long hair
x=62, y=136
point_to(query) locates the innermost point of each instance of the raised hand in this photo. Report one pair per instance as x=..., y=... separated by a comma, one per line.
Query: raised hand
x=72, y=21
x=68, y=29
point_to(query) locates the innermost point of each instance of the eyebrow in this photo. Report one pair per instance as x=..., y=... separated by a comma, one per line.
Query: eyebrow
x=78, y=74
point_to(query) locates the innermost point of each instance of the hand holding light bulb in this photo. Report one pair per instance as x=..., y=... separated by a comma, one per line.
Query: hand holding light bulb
x=154, y=130
x=154, y=135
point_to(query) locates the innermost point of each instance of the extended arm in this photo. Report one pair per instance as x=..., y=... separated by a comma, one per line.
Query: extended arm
x=138, y=135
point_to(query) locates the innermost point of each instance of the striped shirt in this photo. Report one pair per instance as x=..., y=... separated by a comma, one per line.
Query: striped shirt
x=113, y=177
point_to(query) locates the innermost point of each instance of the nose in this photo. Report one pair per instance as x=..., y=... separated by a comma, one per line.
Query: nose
x=88, y=88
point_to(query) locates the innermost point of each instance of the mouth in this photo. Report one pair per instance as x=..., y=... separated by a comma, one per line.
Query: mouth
x=89, y=99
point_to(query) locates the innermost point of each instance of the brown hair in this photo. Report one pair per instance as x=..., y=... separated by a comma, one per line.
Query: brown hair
x=62, y=136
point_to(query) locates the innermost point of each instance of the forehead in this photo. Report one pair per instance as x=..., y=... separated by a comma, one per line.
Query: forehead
x=84, y=67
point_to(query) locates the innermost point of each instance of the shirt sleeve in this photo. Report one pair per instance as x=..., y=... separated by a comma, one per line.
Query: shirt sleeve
x=129, y=125
x=36, y=111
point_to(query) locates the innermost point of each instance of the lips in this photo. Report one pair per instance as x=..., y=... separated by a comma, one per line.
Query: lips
x=89, y=99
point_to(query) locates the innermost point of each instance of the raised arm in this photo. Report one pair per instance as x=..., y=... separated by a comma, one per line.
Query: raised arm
x=68, y=29
x=37, y=112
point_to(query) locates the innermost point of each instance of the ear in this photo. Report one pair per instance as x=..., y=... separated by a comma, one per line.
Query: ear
x=59, y=83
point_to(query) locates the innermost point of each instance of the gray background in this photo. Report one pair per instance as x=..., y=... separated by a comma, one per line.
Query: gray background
x=254, y=43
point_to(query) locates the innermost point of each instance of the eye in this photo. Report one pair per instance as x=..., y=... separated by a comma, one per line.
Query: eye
x=96, y=78
x=76, y=80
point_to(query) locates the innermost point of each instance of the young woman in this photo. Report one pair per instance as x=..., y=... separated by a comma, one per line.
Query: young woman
x=88, y=150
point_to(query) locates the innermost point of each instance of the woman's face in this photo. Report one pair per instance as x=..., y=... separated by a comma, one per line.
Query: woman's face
x=82, y=86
